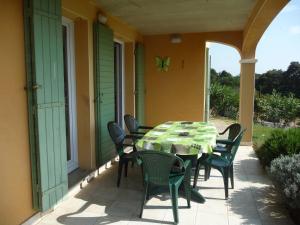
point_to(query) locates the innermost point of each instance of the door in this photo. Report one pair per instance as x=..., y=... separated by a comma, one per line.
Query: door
x=207, y=84
x=118, y=70
x=139, y=83
x=70, y=93
x=104, y=91
x=46, y=101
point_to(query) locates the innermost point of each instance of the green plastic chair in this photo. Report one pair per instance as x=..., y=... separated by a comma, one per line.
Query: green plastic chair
x=134, y=127
x=223, y=145
x=157, y=174
x=118, y=136
x=223, y=163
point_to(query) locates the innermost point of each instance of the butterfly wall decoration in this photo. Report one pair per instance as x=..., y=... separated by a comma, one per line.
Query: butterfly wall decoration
x=162, y=63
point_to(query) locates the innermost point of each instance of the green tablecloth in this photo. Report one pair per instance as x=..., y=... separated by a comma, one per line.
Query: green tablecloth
x=169, y=133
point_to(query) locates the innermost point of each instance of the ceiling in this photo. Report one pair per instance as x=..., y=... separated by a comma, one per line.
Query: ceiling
x=180, y=16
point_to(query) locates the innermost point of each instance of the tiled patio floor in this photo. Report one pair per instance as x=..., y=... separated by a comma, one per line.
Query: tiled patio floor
x=101, y=202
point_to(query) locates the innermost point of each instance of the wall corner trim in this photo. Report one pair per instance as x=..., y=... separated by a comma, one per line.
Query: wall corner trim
x=246, y=143
x=248, y=61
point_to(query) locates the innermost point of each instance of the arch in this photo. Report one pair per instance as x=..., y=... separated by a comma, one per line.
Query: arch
x=228, y=45
x=262, y=15
x=231, y=38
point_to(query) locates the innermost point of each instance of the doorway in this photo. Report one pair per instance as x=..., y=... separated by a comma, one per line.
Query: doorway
x=70, y=93
x=119, y=93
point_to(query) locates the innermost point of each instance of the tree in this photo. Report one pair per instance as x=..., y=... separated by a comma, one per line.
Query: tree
x=291, y=80
x=283, y=82
x=225, y=78
x=269, y=81
x=213, y=76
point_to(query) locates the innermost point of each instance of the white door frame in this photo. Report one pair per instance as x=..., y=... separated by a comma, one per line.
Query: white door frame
x=73, y=163
x=123, y=77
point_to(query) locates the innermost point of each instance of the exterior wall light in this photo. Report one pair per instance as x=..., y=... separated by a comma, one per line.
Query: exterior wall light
x=176, y=38
x=102, y=19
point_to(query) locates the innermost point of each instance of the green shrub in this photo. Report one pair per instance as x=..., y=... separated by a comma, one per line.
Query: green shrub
x=277, y=108
x=280, y=142
x=269, y=107
x=285, y=172
x=224, y=101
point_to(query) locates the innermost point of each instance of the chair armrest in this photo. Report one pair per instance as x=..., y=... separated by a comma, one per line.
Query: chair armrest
x=220, y=149
x=224, y=141
x=224, y=131
x=145, y=127
x=127, y=145
x=130, y=136
x=138, y=133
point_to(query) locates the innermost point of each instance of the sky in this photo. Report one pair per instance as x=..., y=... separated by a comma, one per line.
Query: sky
x=279, y=45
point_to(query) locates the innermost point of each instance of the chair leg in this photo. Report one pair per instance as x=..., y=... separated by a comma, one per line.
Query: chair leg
x=196, y=174
x=174, y=196
x=145, y=199
x=187, y=190
x=126, y=169
x=225, y=178
x=207, y=170
x=148, y=192
x=208, y=174
x=119, y=172
x=187, y=185
x=232, y=176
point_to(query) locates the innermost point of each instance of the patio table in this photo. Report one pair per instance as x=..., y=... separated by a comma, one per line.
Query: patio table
x=185, y=136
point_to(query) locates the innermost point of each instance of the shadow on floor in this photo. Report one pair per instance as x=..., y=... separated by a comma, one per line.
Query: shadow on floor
x=102, y=197
x=267, y=204
x=253, y=200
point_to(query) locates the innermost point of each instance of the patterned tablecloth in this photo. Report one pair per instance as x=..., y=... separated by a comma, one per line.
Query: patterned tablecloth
x=187, y=136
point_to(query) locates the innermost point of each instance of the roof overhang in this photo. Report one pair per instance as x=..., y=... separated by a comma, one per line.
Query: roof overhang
x=181, y=16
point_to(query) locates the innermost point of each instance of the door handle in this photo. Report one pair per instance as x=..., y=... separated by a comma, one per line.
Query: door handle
x=36, y=86
x=99, y=97
x=33, y=87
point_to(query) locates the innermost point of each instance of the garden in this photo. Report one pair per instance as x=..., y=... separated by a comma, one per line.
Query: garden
x=276, y=132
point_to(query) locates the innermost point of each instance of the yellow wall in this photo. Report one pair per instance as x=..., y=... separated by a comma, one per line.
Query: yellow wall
x=15, y=174
x=179, y=93
x=84, y=110
x=15, y=188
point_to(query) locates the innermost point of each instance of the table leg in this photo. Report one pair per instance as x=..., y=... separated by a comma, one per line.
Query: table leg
x=195, y=195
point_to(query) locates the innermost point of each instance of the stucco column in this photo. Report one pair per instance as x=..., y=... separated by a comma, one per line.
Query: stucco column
x=247, y=92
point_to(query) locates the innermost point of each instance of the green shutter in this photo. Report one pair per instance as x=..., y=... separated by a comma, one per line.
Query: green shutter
x=46, y=101
x=139, y=82
x=104, y=91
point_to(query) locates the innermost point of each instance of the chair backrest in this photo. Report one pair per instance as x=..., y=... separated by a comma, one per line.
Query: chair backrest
x=117, y=135
x=157, y=166
x=234, y=130
x=131, y=123
x=235, y=146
